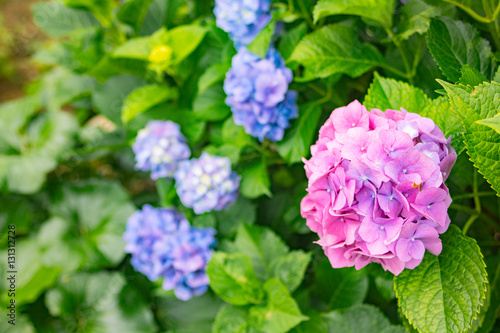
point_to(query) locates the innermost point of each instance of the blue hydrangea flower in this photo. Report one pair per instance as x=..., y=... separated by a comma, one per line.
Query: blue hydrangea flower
x=242, y=19
x=159, y=148
x=163, y=244
x=257, y=92
x=207, y=183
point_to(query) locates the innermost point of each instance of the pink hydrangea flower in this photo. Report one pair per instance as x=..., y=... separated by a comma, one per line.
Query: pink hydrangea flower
x=376, y=188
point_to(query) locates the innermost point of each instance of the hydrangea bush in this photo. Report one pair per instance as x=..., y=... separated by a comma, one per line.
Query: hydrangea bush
x=153, y=173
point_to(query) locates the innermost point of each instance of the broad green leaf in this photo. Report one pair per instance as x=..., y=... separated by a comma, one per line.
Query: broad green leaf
x=291, y=39
x=386, y=94
x=493, y=122
x=99, y=231
x=471, y=76
x=255, y=180
x=135, y=48
x=233, y=279
x=297, y=141
x=109, y=97
x=490, y=317
x=340, y=287
x=211, y=104
x=482, y=142
x=234, y=134
x=212, y=75
x=144, y=98
x=335, y=49
x=415, y=18
x=57, y=20
x=454, y=44
x=100, y=8
x=445, y=292
x=376, y=12
x=360, y=318
x=231, y=319
x=227, y=150
x=133, y=13
x=290, y=268
x=262, y=41
x=262, y=246
x=14, y=115
x=22, y=323
x=183, y=40
x=280, y=314
x=98, y=303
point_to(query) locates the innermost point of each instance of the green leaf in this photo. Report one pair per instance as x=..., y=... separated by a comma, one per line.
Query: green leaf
x=340, y=287
x=280, y=314
x=261, y=245
x=230, y=319
x=290, y=39
x=255, y=180
x=57, y=20
x=109, y=97
x=133, y=13
x=234, y=134
x=493, y=122
x=211, y=104
x=483, y=143
x=144, y=98
x=290, y=269
x=226, y=150
x=135, y=48
x=471, y=76
x=297, y=141
x=183, y=40
x=229, y=220
x=96, y=303
x=98, y=232
x=453, y=288
x=213, y=75
x=262, y=41
x=233, y=278
x=360, y=318
x=454, y=44
x=14, y=115
x=415, y=18
x=335, y=49
x=386, y=94
x=376, y=12
x=100, y=8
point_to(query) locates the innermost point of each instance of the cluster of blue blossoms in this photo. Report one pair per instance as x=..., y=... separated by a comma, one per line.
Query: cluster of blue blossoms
x=163, y=244
x=159, y=148
x=207, y=183
x=242, y=19
x=257, y=92
x=257, y=88
x=161, y=241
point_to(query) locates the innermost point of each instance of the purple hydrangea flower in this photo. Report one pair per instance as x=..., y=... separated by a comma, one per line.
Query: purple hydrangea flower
x=376, y=187
x=242, y=19
x=257, y=92
x=159, y=148
x=163, y=244
x=207, y=183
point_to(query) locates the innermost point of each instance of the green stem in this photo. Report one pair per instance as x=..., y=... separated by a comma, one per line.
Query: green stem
x=418, y=56
x=469, y=11
x=291, y=7
x=477, y=204
x=395, y=71
x=306, y=15
x=402, y=52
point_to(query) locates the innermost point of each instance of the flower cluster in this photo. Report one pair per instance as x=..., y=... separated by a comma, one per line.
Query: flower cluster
x=376, y=187
x=159, y=148
x=207, y=183
x=242, y=19
x=257, y=92
x=163, y=244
